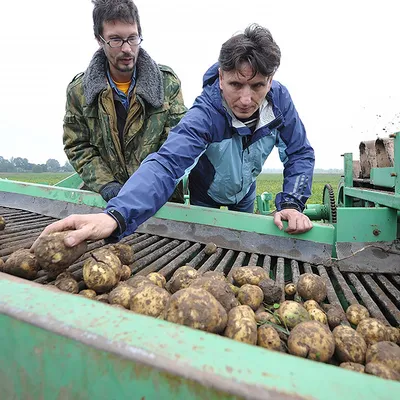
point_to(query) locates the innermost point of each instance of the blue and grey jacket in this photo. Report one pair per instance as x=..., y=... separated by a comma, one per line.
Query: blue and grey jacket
x=208, y=143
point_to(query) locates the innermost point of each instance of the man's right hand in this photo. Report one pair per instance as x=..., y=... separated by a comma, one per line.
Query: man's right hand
x=83, y=227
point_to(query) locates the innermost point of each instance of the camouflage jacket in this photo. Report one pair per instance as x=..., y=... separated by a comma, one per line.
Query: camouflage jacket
x=90, y=137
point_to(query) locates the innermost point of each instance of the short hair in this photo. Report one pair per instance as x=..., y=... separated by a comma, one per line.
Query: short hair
x=114, y=10
x=256, y=47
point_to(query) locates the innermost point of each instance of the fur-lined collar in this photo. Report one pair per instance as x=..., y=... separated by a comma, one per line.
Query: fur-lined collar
x=149, y=84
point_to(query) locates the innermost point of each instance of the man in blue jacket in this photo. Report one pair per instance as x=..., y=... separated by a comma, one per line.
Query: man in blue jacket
x=223, y=142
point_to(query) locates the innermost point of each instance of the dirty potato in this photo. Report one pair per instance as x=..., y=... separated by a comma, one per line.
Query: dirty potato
x=373, y=331
x=382, y=371
x=290, y=289
x=138, y=280
x=219, y=288
x=196, y=308
x=124, y=252
x=53, y=255
x=103, y=298
x=241, y=325
x=250, y=295
x=2, y=223
x=182, y=278
x=310, y=304
x=99, y=276
x=106, y=256
x=250, y=275
x=318, y=315
x=272, y=291
x=355, y=313
x=121, y=294
x=149, y=300
x=157, y=279
x=335, y=317
x=22, y=263
x=311, y=287
x=352, y=366
x=89, y=293
x=67, y=284
x=350, y=345
x=312, y=340
x=268, y=337
x=1, y=265
x=292, y=313
x=394, y=334
x=210, y=248
x=125, y=272
x=263, y=316
x=386, y=353
x=235, y=289
x=215, y=275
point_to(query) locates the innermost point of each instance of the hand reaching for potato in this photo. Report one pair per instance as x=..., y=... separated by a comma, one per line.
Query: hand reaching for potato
x=83, y=227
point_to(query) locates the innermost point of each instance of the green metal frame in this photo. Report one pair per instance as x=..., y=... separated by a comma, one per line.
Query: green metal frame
x=48, y=351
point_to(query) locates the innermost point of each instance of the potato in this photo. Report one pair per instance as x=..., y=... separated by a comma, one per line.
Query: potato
x=106, y=256
x=219, y=288
x=268, y=337
x=318, y=315
x=311, y=287
x=355, y=313
x=235, y=289
x=121, y=295
x=394, y=334
x=292, y=313
x=99, y=276
x=22, y=263
x=138, y=280
x=53, y=255
x=149, y=300
x=124, y=252
x=382, y=371
x=157, y=279
x=265, y=316
x=1, y=265
x=210, y=248
x=102, y=298
x=386, y=353
x=312, y=340
x=67, y=285
x=335, y=317
x=290, y=289
x=250, y=275
x=352, y=366
x=182, y=278
x=350, y=345
x=125, y=272
x=373, y=331
x=89, y=293
x=196, y=308
x=272, y=291
x=250, y=295
x=310, y=304
x=242, y=325
x=215, y=275
x=2, y=223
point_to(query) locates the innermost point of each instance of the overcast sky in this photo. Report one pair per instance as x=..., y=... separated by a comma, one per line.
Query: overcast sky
x=340, y=62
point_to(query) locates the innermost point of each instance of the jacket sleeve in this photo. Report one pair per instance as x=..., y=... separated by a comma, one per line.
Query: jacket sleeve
x=177, y=108
x=150, y=187
x=82, y=155
x=297, y=156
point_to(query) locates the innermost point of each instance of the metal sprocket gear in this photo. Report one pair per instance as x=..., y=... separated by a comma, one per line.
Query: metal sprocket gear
x=328, y=197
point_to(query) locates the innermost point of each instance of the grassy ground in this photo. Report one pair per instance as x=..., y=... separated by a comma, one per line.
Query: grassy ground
x=271, y=183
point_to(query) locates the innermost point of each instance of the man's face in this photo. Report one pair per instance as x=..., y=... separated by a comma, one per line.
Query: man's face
x=122, y=60
x=242, y=94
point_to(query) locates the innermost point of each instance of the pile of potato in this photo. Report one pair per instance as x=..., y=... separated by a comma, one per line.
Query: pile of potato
x=248, y=307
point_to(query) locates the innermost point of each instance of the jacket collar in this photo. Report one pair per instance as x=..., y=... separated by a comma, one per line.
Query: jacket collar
x=149, y=84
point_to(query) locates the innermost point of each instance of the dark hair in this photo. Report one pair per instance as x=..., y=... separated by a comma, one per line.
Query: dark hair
x=114, y=10
x=256, y=47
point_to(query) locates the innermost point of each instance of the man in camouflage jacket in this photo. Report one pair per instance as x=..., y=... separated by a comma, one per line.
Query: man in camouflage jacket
x=108, y=134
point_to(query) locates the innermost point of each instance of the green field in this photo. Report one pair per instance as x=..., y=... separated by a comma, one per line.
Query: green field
x=271, y=183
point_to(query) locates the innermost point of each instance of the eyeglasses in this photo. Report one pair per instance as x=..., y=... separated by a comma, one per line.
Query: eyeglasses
x=118, y=42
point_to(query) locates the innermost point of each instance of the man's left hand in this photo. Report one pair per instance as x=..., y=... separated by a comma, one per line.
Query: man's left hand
x=297, y=221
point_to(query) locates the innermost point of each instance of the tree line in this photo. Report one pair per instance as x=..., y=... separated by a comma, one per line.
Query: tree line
x=19, y=164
